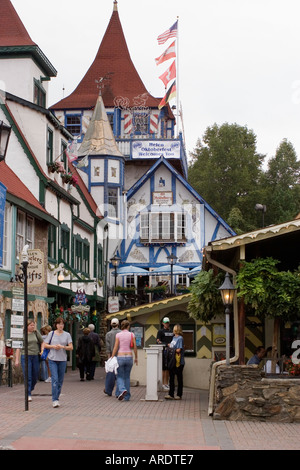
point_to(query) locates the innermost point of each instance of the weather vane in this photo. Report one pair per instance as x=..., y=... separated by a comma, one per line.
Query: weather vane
x=100, y=82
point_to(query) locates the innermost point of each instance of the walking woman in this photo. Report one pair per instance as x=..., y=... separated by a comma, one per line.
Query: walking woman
x=58, y=341
x=125, y=342
x=177, y=369
x=35, y=340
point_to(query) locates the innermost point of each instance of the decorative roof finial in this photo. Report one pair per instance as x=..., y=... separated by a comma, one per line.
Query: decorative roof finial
x=115, y=5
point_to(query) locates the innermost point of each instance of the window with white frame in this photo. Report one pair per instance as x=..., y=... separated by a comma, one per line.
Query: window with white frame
x=112, y=202
x=24, y=232
x=163, y=226
x=130, y=281
x=6, y=258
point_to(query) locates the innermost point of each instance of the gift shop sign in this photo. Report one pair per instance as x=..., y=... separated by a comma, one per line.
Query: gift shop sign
x=36, y=268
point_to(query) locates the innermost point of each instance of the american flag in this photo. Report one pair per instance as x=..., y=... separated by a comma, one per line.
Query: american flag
x=170, y=33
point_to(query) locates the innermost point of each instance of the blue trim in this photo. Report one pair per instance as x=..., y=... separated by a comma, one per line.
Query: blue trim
x=163, y=161
x=215, y=231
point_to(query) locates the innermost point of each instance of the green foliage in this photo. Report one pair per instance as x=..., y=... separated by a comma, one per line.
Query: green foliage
x=267, y=290
x=205, y=300
x=227, y=172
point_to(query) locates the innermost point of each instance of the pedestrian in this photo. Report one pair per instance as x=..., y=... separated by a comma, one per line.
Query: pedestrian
x=45, y=370
x=177, y=368
x=96, y=341
x=165, y=336
x=125, y=342
x=35, y=341
x=259, y=354
x=84, y=353
x=110, y=338
x=61, y=342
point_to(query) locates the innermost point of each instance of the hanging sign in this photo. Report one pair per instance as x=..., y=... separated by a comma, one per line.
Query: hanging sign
x=113, y=304
x=155, y=149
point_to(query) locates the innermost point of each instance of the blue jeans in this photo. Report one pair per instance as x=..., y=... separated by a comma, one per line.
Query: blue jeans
x=57, y=369
x=33, y=371
x=123, y=375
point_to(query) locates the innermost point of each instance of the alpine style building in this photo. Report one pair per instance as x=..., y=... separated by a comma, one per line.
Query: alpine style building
x=122, y=193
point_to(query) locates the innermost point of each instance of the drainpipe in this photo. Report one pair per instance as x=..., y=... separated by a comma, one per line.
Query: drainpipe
x=236, y=333
x=106, y=230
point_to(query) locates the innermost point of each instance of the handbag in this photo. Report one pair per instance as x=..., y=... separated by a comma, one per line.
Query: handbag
x=45, y=353
x=131, y=342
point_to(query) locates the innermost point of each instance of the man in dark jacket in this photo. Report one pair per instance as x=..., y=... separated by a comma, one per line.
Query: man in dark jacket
x=85, y=352
x=96, y=340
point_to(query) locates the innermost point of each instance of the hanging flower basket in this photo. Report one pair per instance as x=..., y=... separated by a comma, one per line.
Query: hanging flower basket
x=68, y=178
x=57, y=167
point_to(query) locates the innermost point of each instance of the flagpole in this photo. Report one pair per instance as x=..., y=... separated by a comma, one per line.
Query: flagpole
x=177, y=78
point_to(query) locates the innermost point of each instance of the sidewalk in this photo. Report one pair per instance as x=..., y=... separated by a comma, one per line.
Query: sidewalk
x=90, y=420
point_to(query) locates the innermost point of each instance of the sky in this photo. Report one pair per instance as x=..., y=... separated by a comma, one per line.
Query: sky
x=238, y=60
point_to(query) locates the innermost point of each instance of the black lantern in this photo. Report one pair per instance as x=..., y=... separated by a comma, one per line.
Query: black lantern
x=4, y=138
x=227, y=293
x=115, y=261
x=172, y=259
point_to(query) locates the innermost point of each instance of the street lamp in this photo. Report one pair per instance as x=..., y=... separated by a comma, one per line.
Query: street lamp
x=4, y=138
x=227, y=293
x=24, y=262
x=263, y=209
x=115, y=261
x=172, y=259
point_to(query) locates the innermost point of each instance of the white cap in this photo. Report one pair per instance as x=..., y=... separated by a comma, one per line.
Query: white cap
x=114, y=321
x=166, y=320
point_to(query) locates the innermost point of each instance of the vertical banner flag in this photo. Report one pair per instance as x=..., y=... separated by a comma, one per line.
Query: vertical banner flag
x=171, y=93
x=168, y=54
x=2, y=212
x=169, y=74
x=170, y=33
x=71, y=151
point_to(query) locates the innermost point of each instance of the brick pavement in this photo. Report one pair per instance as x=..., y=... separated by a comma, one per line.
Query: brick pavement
x=89, y=420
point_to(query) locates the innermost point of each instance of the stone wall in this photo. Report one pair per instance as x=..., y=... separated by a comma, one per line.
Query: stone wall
x=245, y=393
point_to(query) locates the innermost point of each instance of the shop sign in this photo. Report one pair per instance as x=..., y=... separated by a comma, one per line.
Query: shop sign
x=113, y=304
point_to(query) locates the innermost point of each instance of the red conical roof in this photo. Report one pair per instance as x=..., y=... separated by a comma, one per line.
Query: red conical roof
x=12, y=30
x=112, y=61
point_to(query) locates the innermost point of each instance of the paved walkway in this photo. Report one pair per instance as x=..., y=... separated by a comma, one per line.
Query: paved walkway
x=90, y=420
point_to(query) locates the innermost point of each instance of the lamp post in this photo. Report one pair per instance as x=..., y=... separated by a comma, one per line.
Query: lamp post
x=172, y=259
x=227, y=293
x=115, y=261
x=4, y=138
x=24, y=257
x=263, y=209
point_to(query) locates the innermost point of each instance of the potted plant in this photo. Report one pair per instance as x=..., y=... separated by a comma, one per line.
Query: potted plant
x=125, y=290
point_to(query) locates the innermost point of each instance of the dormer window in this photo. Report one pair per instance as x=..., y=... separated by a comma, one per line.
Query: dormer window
x=73, y=123
x=39, y=94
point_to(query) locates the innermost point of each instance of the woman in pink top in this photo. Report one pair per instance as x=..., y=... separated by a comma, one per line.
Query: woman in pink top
x=125, y=342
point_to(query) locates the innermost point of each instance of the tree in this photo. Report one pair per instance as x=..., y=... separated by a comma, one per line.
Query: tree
x=281, y=181
x=206, y=300
x=226, y=170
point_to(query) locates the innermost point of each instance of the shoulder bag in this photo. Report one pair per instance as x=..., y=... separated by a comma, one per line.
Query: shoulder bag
x=46, y=351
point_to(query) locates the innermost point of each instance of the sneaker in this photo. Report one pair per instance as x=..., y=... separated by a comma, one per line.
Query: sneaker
x=29, y=398
x=177, y=398
x=168, y=397
x=48, y=381
x=56, y=404
x=166, y=387
x=122, y=395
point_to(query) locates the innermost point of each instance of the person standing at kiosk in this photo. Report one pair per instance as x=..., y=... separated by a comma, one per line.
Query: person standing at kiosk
x=165, y=336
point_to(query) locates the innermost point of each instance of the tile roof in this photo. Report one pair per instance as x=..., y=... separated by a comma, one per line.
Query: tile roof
x=16, y=188
x=113, y=61
x=12, y=30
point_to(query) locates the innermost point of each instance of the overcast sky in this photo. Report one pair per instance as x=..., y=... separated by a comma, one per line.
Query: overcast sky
x=239, y=60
